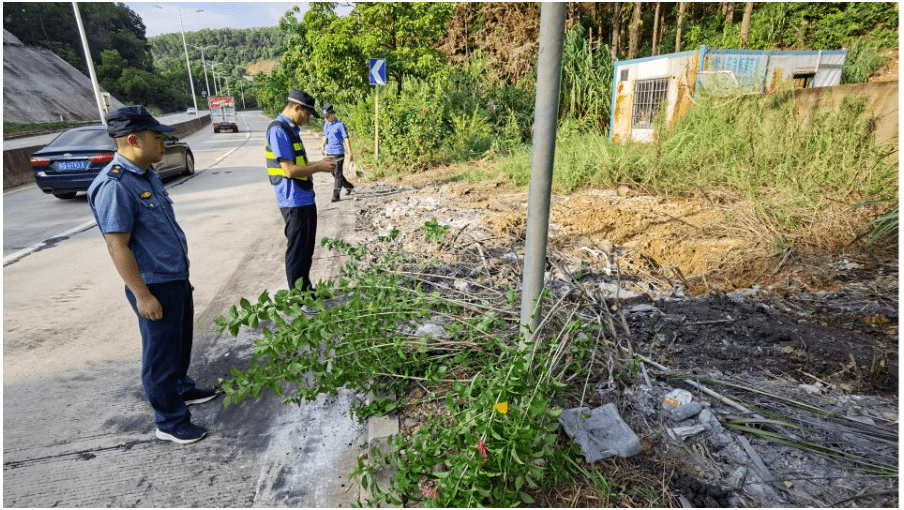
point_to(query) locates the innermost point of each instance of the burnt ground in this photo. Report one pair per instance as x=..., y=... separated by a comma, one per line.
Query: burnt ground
x=807, y=340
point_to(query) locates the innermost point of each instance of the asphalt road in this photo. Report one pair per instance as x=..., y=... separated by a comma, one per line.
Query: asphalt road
x=77, y=428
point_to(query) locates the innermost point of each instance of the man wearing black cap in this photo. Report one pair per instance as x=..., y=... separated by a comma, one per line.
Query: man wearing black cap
x=291, y=177
x=337, y=146
x=150, y=253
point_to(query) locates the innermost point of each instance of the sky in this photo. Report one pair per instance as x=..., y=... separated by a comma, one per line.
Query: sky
x=165, y=19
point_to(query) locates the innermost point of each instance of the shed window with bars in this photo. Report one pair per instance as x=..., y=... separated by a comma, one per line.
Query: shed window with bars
x=649, y=96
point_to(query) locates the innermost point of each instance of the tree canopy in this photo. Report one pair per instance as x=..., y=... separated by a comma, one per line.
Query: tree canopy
x=52, y=25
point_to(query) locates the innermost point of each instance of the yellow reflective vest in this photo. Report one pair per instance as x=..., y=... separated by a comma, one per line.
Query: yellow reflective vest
x=274, y=170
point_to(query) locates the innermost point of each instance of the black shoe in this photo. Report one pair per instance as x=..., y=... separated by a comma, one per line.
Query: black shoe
x=310, y=312
x=189, y=434
x=349, y=187
x=334, y=199
x=198, y=396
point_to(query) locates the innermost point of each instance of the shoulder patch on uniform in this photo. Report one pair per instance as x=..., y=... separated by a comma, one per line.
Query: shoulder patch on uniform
x=145, y=194
x=115, y=172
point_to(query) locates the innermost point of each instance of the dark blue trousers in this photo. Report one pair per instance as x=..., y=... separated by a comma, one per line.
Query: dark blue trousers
x=301, y=234
x=166, y=352
x=339, y=180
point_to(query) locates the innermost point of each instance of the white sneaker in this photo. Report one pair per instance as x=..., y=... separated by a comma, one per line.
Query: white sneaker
x=310, y=312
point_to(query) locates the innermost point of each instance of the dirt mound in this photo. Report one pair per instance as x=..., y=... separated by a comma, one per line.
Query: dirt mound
x=261, y=66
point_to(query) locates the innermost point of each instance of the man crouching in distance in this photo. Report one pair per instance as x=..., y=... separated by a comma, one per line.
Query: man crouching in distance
x=150, y=253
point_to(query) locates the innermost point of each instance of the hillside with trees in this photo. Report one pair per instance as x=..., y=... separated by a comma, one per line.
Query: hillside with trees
x=132, y=67
x=230, y=52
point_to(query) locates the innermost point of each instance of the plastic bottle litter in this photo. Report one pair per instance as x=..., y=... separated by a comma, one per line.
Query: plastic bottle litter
x=676, y=398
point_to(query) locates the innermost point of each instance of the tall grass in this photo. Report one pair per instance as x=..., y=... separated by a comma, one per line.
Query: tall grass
x=863, y=59
x=787, y=166
x=586, y=92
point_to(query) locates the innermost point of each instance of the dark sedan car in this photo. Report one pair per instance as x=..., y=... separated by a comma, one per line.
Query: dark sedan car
x=70, y=162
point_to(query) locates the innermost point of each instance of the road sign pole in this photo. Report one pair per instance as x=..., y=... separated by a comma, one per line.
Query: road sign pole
x=377, y=76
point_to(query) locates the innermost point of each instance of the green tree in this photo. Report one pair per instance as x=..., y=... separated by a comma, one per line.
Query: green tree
x=52, y=25
x=110, y=69
x=404, y=34
x=328, y=55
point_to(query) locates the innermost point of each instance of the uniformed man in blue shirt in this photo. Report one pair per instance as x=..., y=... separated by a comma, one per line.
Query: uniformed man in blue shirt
x=291, y=177
x=149, y=250
x=336, y=145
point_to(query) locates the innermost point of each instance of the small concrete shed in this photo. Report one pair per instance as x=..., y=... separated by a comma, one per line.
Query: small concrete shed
x=645, y=86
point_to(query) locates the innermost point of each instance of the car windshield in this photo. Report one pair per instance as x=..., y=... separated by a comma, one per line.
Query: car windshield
x=83, y=138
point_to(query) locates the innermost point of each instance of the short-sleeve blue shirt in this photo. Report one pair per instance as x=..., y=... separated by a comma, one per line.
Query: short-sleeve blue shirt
x=287, y=193
x=335, y=133
x=135, y=201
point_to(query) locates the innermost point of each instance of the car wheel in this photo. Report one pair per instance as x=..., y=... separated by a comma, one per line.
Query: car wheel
x=216, y=130
x=65, y=196
x=189, y=164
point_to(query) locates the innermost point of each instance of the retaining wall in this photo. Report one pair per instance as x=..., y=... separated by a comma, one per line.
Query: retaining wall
x=17, y=162
x=881, y=97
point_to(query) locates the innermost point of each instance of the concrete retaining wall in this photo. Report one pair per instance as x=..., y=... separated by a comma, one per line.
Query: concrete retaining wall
x=17, y=162
x=881, y=97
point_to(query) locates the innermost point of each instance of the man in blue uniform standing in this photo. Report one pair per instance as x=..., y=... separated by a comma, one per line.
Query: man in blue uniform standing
x=291, y=177
x=150, y=253
x=337, y=146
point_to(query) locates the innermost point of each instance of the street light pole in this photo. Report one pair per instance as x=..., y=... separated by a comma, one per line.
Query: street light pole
x=191, y=81
x=216, y=84
x=204, y=64
x=225, y=78
x=90, y=63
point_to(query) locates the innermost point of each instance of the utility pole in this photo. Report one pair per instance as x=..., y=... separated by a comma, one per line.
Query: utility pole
x=81, y=31
x=204, y=64
x=225, y=77
x=546, y=115
x=191, y=82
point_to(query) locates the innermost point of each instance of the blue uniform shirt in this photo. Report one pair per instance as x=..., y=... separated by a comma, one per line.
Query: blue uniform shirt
x=287, y=193
x=335, y=133
x=134, y=201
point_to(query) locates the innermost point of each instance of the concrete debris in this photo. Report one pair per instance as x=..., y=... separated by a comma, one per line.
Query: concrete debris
x=434, y=330
x=601, y=432
x=686, y=411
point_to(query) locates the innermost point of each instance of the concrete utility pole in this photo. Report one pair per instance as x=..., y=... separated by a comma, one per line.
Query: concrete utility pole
x=191, y=82
x=546, y=115
x=204, y=65
x=81, y=31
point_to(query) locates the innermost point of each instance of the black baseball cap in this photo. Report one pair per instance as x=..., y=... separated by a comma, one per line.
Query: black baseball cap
x=133, y=119
x=328, y=109
x=304, y=99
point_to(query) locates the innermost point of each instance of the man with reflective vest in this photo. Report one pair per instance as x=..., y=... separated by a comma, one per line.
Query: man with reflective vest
x=291, y=177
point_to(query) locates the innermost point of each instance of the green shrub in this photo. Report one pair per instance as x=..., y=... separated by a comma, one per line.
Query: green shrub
x=497, y=437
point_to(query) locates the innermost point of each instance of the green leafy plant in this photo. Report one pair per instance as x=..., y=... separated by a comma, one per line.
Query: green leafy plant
x=434, y=231
x=496, y=441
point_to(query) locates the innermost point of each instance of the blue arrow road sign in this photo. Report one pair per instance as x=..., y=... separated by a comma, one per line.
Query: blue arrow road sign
x=378, y=71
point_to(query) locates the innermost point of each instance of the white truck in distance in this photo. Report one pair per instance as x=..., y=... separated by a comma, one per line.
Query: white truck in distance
x=222, y=113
